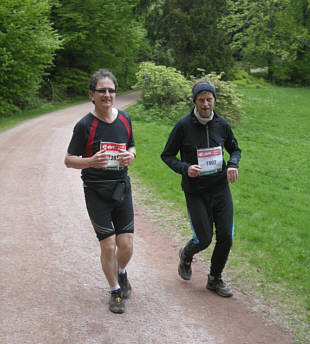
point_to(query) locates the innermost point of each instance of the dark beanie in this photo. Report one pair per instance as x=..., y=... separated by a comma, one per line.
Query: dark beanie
x=203, y=88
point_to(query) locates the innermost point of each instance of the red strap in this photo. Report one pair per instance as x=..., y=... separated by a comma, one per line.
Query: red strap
x=89, y=146
x=126, y=123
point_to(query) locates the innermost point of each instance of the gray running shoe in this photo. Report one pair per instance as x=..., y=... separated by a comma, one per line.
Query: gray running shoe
x=184, y=268
x=217, y=285
x=125, y=285
x=116, y=304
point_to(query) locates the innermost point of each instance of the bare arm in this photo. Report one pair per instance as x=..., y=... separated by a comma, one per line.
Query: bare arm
x=98, y=160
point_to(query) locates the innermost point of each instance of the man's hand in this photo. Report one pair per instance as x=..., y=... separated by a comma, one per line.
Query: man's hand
x=100, y=159
x=232, y=174
x=125, y=157
x=194, y=171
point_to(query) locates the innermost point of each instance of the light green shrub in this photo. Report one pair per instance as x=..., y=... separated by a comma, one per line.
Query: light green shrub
x=167, y=94
x=161, y=86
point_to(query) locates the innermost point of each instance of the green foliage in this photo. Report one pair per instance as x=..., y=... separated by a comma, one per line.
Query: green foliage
x=188, y=35
x=41, y=107
x=168, y=115
x=299, y=69
x=167, y=95
x=165, y=92
x=51, y=47
x=69, y=81
x=97, y=35
x=163, y=86
x=27, y=47
x=244, y=79
x=272, y=33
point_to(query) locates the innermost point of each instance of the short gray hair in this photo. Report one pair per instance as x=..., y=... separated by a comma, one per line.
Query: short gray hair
x=101, y=74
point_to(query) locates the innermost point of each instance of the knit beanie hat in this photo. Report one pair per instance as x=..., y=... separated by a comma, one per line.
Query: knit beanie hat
x=203, y=88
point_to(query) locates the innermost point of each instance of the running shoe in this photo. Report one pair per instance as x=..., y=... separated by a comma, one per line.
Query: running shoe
x=184, y=268
x=125, y=285
x=116, y=304
x=219, y=286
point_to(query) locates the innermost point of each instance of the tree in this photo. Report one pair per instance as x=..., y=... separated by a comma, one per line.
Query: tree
x=265, y=33
x=186, y=35
x=27, y=47
x=300, y=68
x=96, y=34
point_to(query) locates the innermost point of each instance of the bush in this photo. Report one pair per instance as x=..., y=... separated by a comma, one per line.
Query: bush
x=167, y=95
x=257, y=80
x=6, y=108
x=169, y=115
x=161, y=86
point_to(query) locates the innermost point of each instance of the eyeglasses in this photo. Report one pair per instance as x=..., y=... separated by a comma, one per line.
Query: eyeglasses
x=105, y=90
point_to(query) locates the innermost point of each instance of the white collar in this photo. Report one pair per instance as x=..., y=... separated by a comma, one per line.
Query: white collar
x=203, y=120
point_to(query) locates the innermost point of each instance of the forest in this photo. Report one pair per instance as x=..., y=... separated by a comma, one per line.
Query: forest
x=49, y=48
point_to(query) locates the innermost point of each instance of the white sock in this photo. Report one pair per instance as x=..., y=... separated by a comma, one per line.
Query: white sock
x=116, y=287
x=121, y=271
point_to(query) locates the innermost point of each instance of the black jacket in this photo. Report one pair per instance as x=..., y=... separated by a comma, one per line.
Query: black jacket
x=186, y=137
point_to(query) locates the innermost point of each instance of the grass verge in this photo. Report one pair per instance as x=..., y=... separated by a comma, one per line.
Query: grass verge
x=43, y=107
x=13, y=120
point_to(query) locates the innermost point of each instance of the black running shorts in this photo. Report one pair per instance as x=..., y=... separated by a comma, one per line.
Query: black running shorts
x=108, y=216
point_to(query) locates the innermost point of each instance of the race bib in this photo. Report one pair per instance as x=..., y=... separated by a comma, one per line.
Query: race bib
x=112, y=149
x=210, y=160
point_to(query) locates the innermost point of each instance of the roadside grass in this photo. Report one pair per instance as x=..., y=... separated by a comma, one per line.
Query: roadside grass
x=41, y=108
x=15, y=119
x=270, y=258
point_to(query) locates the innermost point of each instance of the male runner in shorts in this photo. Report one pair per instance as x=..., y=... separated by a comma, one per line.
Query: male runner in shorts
x=102, y=146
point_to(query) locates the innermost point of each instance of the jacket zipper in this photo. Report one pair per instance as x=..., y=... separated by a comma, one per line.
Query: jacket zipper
x=207, y=132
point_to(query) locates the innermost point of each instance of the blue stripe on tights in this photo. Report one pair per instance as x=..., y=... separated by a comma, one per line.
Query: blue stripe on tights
x=196, y=240
x=233, y=228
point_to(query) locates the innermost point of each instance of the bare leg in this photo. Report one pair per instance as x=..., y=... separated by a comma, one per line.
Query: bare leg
x=124, y=243
x=109, y=260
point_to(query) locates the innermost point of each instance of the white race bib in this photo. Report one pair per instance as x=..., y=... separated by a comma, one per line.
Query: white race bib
x=112, y=149
x=210, y=160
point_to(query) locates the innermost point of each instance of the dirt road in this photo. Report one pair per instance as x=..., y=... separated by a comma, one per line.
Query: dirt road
x=52, y=290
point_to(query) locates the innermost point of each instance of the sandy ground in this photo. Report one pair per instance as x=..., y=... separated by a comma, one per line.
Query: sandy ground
x=52, y=289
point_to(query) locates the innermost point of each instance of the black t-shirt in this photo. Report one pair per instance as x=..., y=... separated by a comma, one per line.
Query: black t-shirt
x=91, y=132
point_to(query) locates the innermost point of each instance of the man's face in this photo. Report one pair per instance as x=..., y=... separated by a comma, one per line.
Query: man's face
x=104, y=95
x=205, y=103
